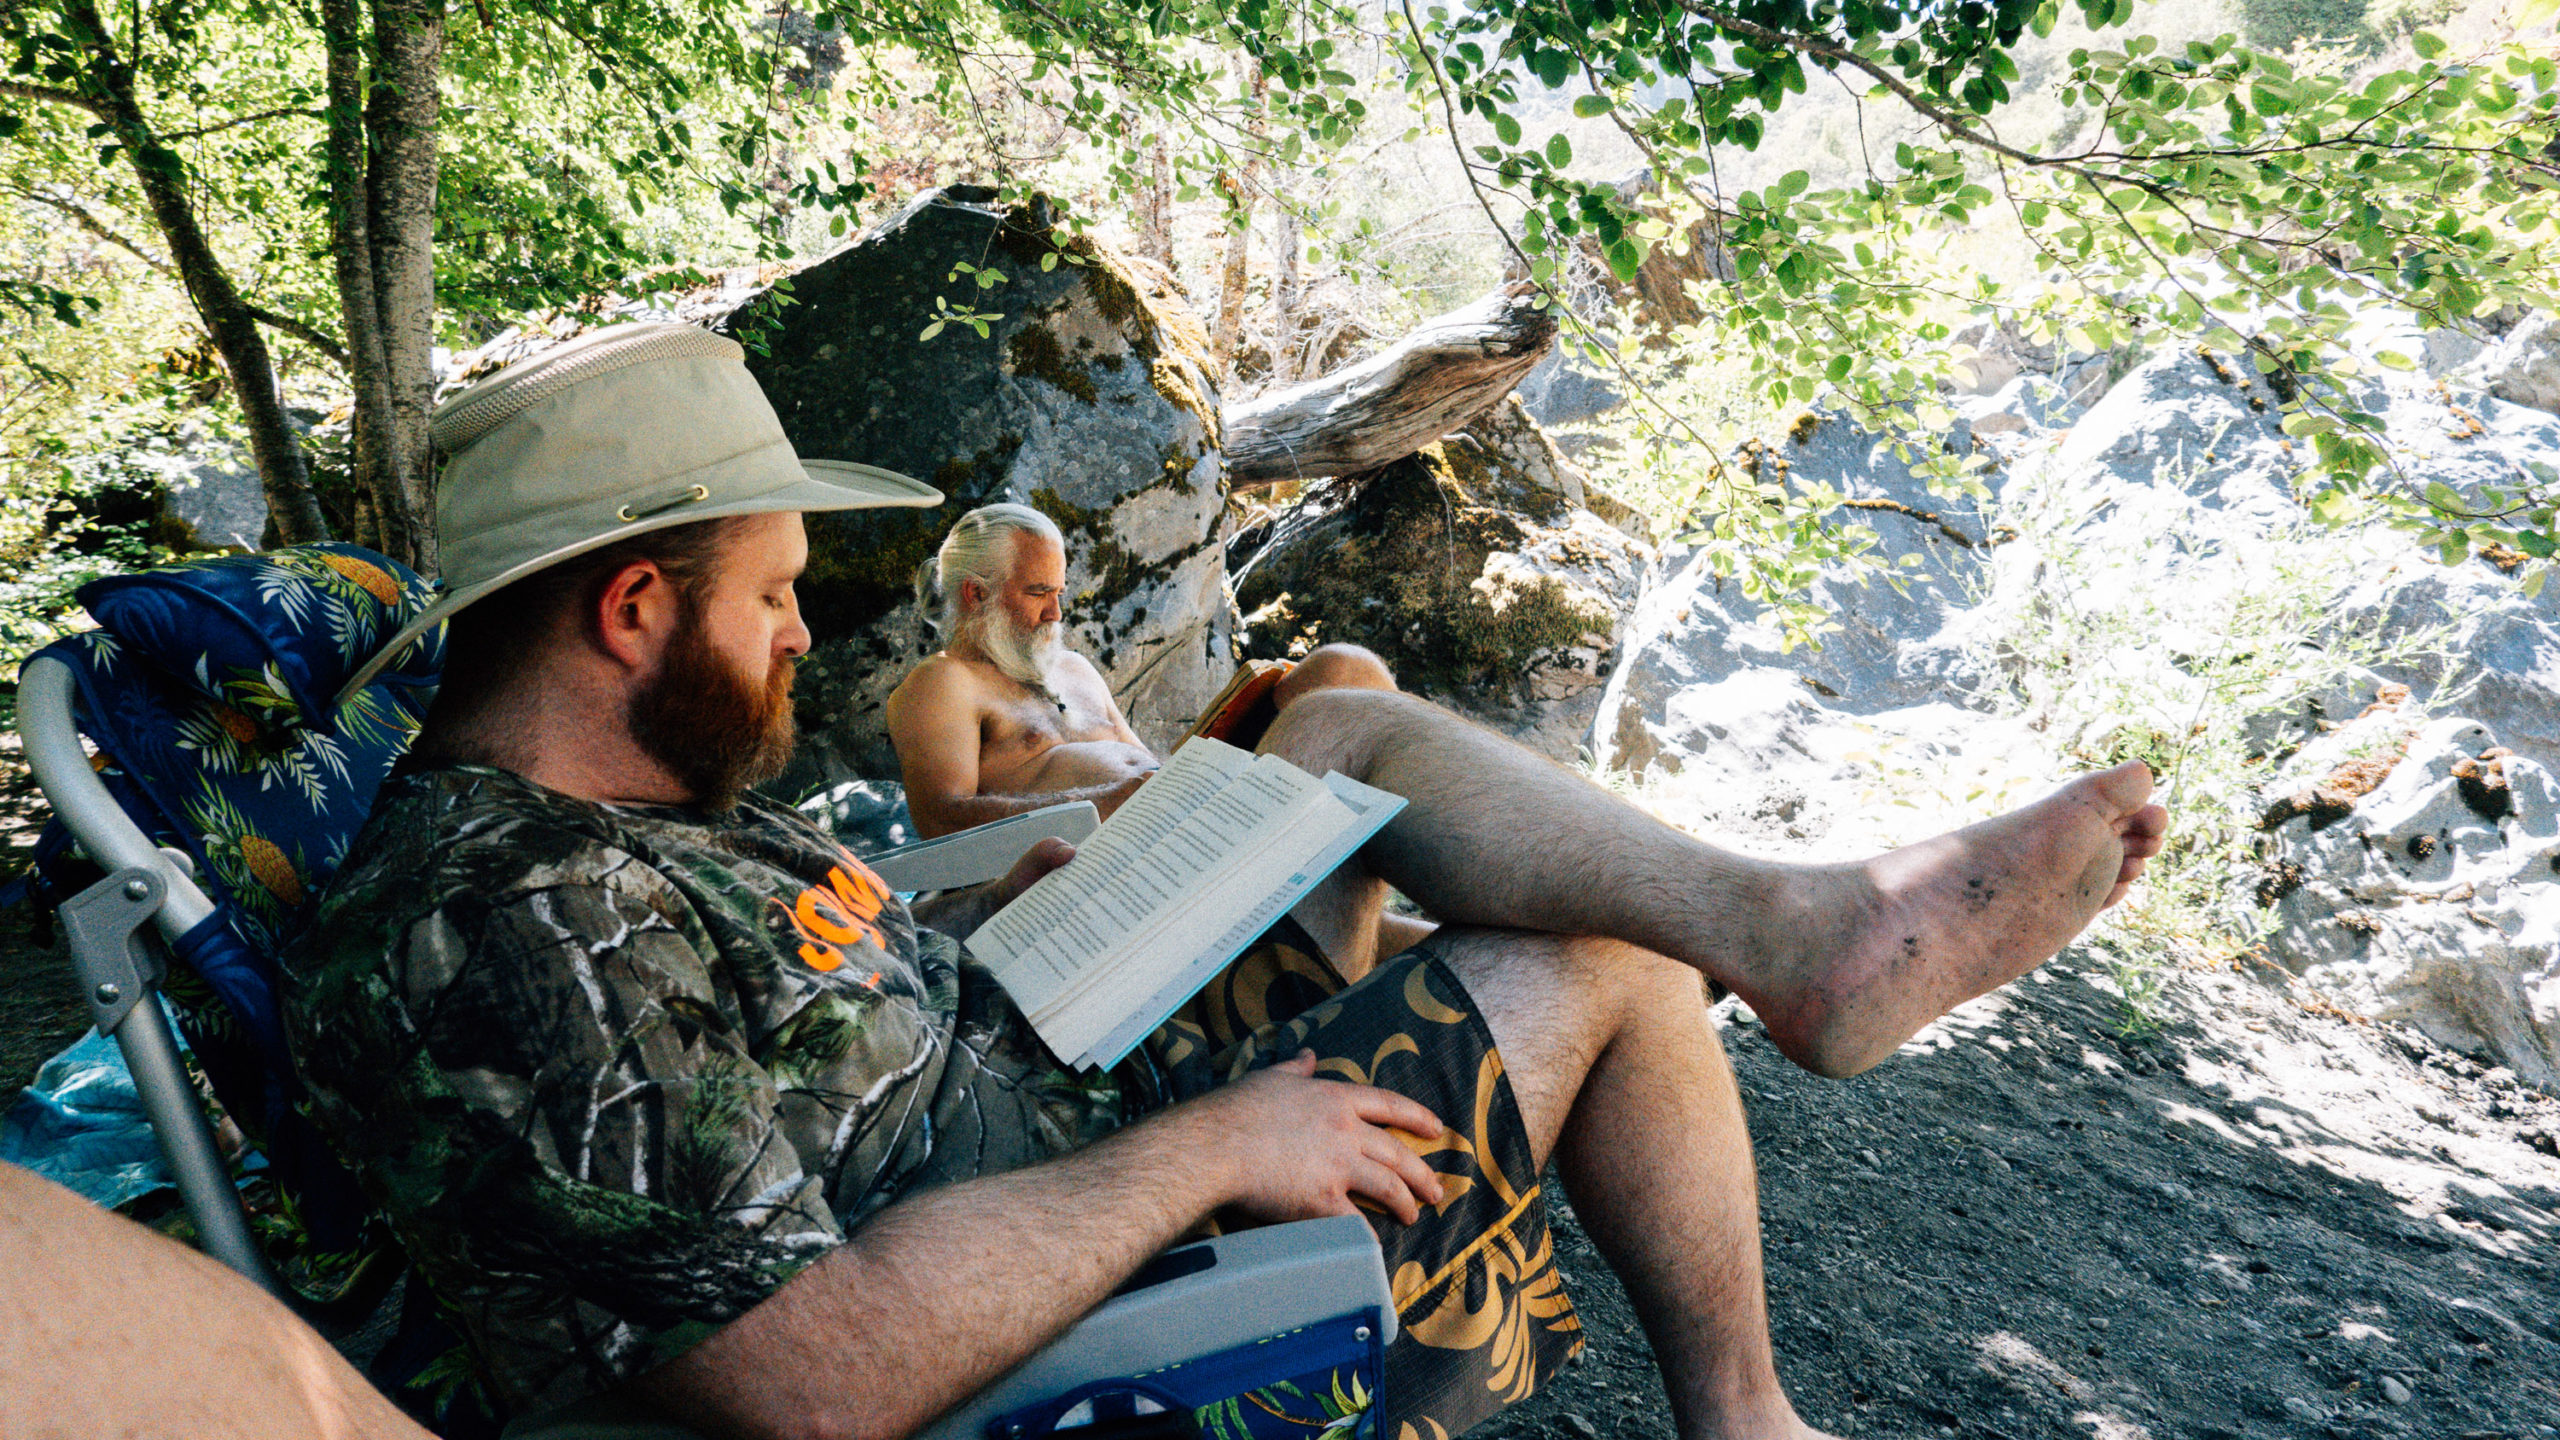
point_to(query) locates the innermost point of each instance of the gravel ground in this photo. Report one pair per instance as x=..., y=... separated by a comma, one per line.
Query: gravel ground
x=2259, y=1221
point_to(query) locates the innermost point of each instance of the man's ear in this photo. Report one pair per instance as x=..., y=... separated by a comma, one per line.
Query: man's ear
x=973, y=592
x=635, y=614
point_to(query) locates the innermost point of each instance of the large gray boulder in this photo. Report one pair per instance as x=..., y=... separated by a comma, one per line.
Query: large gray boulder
x=1091, y=397
x=1480, y=569
x=2522, y=367
x=2414, y=874
x=1895, y=646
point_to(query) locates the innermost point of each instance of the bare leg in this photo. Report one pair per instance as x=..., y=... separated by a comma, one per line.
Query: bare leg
x=1347, y=914
x=1842, y=962
x=1333, y=667
x=113, y=1330
x=1621, y=1077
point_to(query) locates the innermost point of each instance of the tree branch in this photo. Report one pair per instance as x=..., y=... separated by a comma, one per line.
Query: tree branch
x=19, y=89
x=238, y=121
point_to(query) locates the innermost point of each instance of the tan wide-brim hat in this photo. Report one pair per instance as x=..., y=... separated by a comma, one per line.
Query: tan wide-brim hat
x=616, y=433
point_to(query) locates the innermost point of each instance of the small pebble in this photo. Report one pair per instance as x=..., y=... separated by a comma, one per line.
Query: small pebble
x=2097, y=1322
x=2301, y=1409
x=2395, y=1390
x=2172, y=1190
x=1870, y=1157
x=1578, y=1424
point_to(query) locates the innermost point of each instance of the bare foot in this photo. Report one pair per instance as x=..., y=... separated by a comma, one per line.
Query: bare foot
x=1873, y=951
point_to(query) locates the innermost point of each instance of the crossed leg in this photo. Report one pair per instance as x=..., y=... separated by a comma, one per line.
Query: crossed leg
x=1841, y=962
x=1620, y=1077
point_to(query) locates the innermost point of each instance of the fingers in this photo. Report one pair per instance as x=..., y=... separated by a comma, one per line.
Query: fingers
x=1302, y=1063
x=1418, y=1177
x=1377, y=1182
x=1037, y=861
x=1386, y=1107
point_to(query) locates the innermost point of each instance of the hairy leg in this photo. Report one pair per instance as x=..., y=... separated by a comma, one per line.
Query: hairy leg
x=1347, y=913
x=1843, y=962
x=1333, y=667
x=1620, y=1076
x=113, y=1330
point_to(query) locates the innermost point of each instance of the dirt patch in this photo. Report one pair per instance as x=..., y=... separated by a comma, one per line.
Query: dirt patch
x=2483, y=785
x=2260, y=1223
x=2333, y=797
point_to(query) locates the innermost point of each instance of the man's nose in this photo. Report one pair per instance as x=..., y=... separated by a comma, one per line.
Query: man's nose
x=1049, y=611
x=793, y=641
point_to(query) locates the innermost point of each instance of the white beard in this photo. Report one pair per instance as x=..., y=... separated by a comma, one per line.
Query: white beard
x=1025, y=655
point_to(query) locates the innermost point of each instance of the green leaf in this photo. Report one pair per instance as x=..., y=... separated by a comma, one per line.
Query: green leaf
x=1506, y=129
x=1791, y=184
x=930, y=331
x=2428, y=45
x=1559, y=150
x=1624, y=259
x=1593, y=106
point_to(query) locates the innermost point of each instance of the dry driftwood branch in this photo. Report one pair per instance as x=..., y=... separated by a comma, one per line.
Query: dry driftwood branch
x=1426, y=385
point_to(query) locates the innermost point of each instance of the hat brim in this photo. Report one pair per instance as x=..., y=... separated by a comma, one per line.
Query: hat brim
x=829, y=485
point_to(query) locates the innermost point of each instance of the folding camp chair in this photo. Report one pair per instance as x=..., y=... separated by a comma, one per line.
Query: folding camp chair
x=223, y=794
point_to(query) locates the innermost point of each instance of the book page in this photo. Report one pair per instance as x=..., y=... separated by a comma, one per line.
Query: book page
x=1365, y=810
x=1137, y=892
x=1152, y=811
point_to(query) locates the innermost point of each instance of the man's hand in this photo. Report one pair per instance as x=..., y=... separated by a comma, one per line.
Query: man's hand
x=1118, y=795
x=1037, y=861
x=961, y=912
x=1298, y=1147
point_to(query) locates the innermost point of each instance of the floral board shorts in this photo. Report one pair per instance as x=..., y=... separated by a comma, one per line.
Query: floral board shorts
x=1482, y=1314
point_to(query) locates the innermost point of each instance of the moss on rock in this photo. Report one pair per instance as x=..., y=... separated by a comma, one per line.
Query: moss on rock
x=1413, y=566
x=1034, y=352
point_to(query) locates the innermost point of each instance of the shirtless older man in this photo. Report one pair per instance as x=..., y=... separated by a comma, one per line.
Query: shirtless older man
x=1006, y=718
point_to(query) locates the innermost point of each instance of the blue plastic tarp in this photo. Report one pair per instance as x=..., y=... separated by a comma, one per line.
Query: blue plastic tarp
x=81, y=1124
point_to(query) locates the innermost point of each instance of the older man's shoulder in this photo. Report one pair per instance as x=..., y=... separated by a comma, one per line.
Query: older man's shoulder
x=942, y=682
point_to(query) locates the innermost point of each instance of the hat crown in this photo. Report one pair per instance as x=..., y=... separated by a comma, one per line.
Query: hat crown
x=494, y=399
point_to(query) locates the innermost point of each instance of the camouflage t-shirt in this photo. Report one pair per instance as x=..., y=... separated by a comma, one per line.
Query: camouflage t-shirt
x=618, y=1072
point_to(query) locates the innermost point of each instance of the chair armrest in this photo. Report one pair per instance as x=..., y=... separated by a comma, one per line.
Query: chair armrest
x=1195, y=1301
x=981, y=852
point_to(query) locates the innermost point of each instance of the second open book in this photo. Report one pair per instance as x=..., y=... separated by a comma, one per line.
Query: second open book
x=1209, y=852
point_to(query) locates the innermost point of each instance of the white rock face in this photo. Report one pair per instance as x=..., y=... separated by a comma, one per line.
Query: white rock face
x=2436, y=899
x=2161, y=513
x=2524, y=365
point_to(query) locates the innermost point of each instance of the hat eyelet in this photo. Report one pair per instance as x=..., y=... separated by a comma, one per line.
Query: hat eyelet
x=692, y=494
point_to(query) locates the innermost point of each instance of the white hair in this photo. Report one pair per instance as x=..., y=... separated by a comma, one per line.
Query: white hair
x=981, y=548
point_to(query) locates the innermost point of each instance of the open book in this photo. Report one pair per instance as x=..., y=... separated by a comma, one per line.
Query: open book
x=1201, y=859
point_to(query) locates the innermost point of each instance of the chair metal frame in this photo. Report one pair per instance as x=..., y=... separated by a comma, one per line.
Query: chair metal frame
x=119, y=931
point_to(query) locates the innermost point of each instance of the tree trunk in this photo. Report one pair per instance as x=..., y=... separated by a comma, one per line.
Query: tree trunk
x=1241, y=191
x=1288, y=241
x=1155, y=207
x=351, y=248
x=282, y=471
x=401, y=116
x=1427, y=385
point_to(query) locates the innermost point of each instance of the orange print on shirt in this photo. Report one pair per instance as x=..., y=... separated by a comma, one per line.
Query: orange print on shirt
x=839, y=913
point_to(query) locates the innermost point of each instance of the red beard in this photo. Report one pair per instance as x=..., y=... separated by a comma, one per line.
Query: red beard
x=709, y=723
